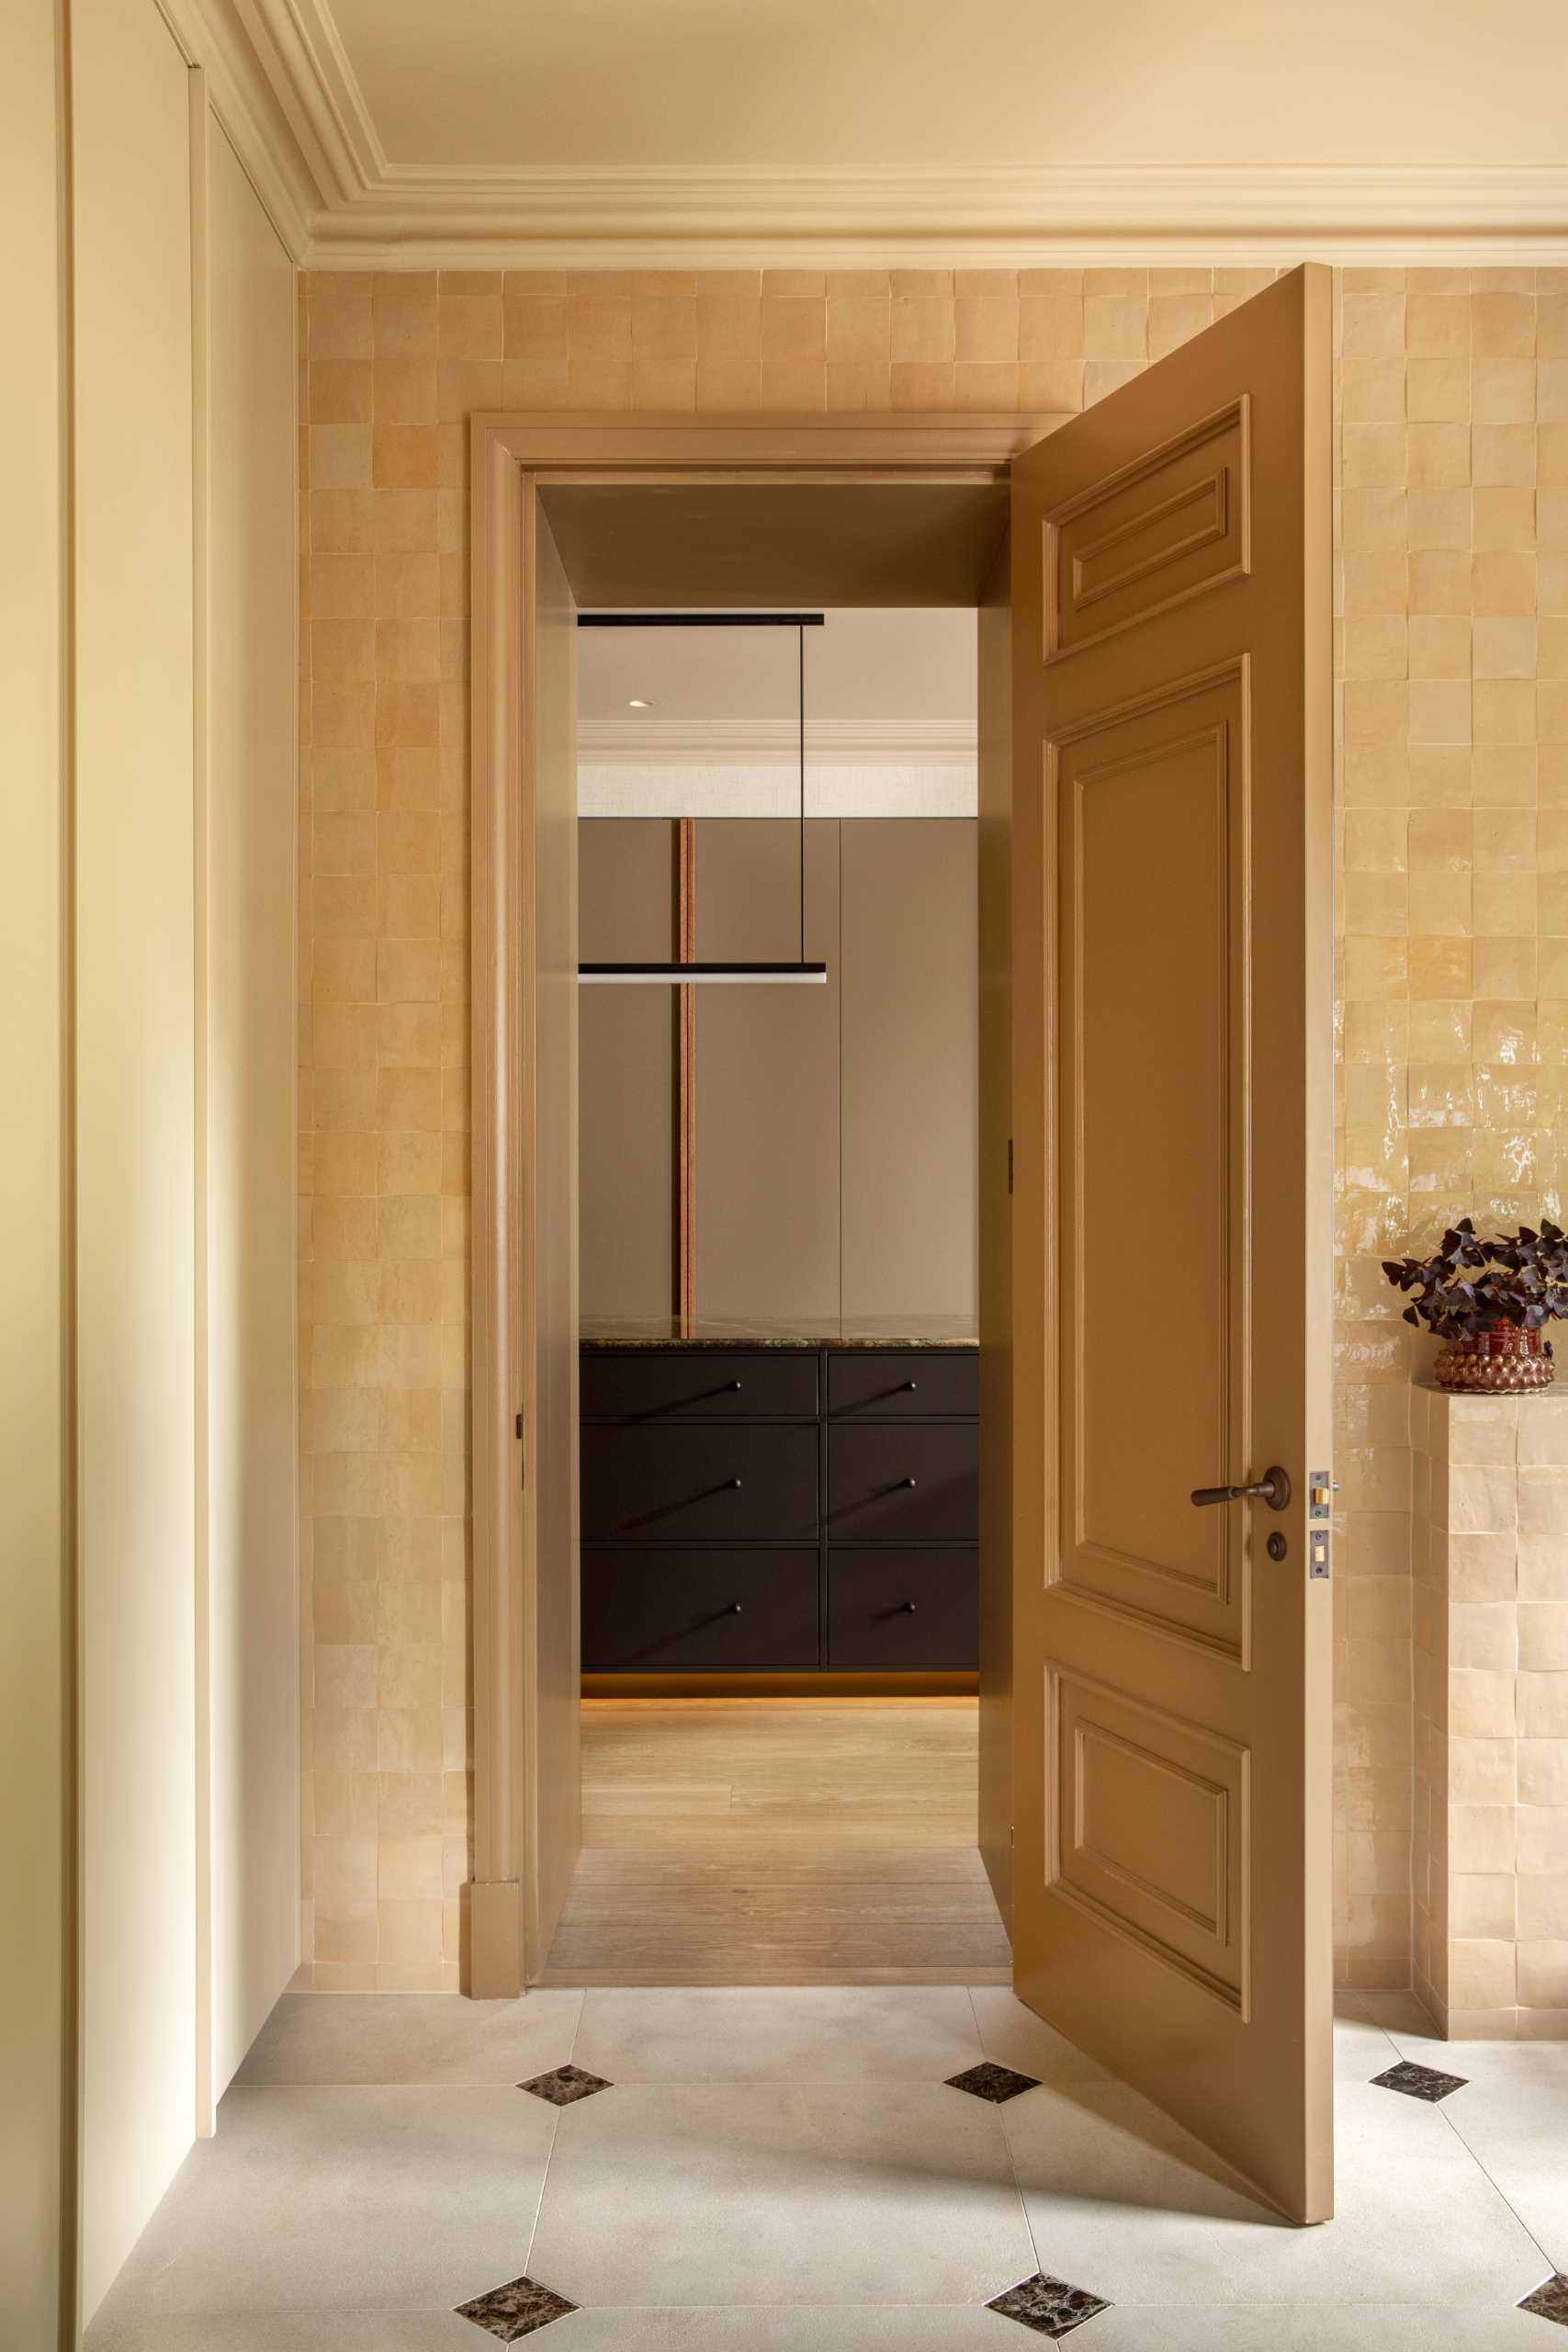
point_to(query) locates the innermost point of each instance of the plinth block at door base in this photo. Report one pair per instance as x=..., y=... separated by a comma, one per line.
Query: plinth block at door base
x=495, y=1938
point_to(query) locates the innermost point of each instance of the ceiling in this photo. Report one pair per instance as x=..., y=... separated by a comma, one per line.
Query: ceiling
x=899, y=84
x=683, y=132
x=895, y=670
x=707, y=722
x=777, y=543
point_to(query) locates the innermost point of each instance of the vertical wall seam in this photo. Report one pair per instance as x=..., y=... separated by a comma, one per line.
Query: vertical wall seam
x=201, y=487
x=71, y=1565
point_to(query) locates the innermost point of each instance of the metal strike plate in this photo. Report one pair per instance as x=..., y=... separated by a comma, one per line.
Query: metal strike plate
x=1320, y=1495
x=1317, y=1551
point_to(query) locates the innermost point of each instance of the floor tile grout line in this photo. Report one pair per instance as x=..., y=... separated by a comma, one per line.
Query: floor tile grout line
x=1483, y=2168
x=543, y=2183
x=1489, y=2176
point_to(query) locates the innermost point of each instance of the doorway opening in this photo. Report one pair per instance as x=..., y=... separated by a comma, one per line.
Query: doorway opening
x=1160, y=1729
x=778, y=1301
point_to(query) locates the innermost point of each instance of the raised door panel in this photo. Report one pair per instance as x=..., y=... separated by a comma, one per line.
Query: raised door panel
x=1175, y=522
x=1172, y=1246
x=1152, y=1823
x=1152, y=800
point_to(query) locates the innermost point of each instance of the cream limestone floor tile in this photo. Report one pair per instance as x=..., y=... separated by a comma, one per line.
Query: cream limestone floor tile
x=812, y=2034
x=837, y=2327
x=373, y=2198
x=736, y=2200
x=1122, y=2201
x=1513, y=2116
x=1362, y=2047
x=736, y=2193
x=411, y=2038
x=284, y=2332
x=1011, y=2035
x=1279, y=2327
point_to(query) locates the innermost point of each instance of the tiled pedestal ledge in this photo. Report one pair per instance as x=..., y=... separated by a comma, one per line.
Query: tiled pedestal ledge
x=1490, y=1634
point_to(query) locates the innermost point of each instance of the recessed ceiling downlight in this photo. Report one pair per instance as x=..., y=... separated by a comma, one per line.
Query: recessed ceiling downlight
x=683, y=975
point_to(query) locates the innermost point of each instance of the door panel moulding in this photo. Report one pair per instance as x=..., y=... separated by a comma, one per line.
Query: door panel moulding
x=513, y=458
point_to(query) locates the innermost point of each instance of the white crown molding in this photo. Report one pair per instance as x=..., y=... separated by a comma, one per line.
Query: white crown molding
x=303, y=55
x=243, y=98
x=613, y=219
x=370, y=212
x=698, y=742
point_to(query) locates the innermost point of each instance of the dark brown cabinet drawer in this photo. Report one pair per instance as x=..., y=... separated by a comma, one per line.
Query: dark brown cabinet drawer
x=671, y=1483
x=877, y=1384
x=918, y=1612
x=667, y=1610
x=702, y=1386
x=886, y=1483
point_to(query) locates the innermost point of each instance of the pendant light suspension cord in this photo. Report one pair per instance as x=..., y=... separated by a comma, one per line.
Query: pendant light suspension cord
x=800, y=639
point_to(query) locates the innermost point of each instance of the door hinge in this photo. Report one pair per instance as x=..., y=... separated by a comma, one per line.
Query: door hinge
x=1011, y=1834
x=1009, y=1164
x=523, y=1461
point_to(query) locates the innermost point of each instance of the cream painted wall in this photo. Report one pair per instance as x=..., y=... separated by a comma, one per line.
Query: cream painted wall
x=34, y=1557
x=253, y=1566
x=135, y=1107
x=185, y=953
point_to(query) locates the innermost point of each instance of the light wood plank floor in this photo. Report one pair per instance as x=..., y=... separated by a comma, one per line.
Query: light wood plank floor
x=779, y=1842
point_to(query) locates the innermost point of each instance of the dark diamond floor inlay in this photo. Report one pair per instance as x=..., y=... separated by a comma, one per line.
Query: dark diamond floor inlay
x=995, y=2083
x=1419, y=2082
x=1550, y=2301
x=564, y=2085
x=1048, y=2305
x=520, y=2308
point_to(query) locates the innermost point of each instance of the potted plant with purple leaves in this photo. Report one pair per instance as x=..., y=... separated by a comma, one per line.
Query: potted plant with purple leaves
x=1489, y=1303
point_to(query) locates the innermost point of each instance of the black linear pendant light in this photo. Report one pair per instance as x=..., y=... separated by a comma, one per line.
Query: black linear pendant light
x=799, y=974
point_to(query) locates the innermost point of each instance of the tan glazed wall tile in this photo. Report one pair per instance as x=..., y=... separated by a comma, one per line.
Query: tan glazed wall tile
x=1452, y=572
x=1491, y=1753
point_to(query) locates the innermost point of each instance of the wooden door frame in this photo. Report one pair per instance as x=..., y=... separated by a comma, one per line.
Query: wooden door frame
x=511, y=457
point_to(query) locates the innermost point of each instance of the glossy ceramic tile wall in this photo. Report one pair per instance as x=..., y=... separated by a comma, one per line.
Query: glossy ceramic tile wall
x=1439, y=907
x=1490, y=1597
x=1453, y=908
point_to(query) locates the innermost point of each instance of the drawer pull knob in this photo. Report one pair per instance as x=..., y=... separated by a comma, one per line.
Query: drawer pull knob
x=906, y=1608
x=906, y=1482
x=736, y=1609
x=732, y=1482
x=910, y=1386
x=735, y=1384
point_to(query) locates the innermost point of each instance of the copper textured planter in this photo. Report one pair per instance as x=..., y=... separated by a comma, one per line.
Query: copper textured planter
x=1503, y=1361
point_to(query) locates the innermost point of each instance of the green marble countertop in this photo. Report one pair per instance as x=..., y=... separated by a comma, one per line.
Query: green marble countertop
x=916, y=1331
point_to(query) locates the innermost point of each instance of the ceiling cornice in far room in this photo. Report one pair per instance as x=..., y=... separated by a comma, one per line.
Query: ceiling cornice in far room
x=688, y=742
x=284, y=81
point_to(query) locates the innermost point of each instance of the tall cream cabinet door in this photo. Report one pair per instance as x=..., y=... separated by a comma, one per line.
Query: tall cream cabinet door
x=1172, y=1045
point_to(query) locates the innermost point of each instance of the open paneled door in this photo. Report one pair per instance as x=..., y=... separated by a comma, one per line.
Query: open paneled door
x=1172, y=991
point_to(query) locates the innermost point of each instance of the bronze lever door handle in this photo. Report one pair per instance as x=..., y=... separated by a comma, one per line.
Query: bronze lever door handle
x=1273, y=1487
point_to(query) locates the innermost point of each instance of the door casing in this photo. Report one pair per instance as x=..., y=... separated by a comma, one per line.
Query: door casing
x=513, y=457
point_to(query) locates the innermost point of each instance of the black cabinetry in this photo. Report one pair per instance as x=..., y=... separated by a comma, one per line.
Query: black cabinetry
x=779, y=1509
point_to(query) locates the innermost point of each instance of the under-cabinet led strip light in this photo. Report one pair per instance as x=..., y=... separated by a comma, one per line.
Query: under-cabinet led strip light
x=797, y=975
